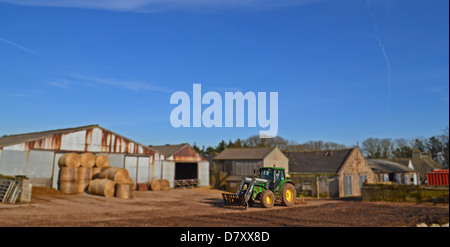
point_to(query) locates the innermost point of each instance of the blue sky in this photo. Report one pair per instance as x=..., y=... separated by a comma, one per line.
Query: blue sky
x=344, y=70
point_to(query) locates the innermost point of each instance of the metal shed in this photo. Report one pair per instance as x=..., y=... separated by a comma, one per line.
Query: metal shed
x=183, y=166
x=35, y=155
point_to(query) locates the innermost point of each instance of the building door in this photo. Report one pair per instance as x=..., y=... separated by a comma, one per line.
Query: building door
x=143, y=169
x=348, y=185
x=131, y=164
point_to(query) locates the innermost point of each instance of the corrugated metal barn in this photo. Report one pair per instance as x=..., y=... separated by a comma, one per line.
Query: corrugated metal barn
x=188, y=167
x=36, y=155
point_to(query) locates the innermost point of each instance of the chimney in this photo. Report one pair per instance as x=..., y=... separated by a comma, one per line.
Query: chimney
x=417, y=154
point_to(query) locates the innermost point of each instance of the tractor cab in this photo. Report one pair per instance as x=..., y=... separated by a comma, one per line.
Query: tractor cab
x=275, y=175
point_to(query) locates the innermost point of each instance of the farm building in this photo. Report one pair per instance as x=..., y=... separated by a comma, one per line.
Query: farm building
x=338, y=173
x=234, y=163
x=389, y=171
x=420, y=163
x=187, y=166
x=36, y=155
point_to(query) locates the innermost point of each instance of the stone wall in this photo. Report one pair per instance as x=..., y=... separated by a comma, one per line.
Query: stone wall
x=405, y=193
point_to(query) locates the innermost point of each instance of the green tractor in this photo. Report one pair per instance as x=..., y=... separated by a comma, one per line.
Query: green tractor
x=269, y=185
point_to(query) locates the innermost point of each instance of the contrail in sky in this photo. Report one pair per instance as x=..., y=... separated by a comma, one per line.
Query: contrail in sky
x=386, y=57
x=18, y=46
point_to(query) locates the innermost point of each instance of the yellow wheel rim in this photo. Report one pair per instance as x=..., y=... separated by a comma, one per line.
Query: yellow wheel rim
x=289, y=195
x=268, y=200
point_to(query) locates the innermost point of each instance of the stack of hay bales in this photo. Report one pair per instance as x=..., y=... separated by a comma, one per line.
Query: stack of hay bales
x=76, y=172
x=158, y=184
x=86, y=172
x=68, y=178
x=110, y=181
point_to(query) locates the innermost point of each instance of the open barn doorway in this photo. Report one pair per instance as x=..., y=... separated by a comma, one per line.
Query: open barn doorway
x=186, y=174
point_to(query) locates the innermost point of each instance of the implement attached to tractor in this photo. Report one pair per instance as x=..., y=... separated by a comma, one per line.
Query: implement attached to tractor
x=268, y=186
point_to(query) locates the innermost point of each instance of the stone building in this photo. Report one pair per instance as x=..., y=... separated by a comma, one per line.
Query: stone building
x=234, y=163
x=337, y=173
x=389, y=171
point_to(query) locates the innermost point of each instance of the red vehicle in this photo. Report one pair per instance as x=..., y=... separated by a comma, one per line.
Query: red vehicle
x=438, y=177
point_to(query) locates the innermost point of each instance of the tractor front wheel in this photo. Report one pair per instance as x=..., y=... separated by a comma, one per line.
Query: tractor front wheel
x=288, y=194
x=267, y=199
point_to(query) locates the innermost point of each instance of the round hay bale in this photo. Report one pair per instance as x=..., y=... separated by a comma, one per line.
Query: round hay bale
x=82, y=186
x=70, y=160
x=95, y=172
x=68, y=174
x=142, y=187
x=154, y=185
x=119, y=175
x=87, y=159
x=124, y=191
x=102, y=187
x=165, y=185
x=68, y=187
x=101, y=161
x=116, y=174
x=130, y=181
x=103, y=172
x=85, y=174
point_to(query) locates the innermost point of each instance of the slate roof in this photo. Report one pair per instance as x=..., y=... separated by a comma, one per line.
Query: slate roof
x=244, y=154
x=317, y=162
x=386, y=166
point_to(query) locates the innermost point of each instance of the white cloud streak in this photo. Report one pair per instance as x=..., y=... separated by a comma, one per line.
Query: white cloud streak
x=128, y=85
x=157, y=5
x=18, y=46
x=383, y=50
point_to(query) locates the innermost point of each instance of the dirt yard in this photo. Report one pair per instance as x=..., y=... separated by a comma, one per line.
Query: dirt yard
x=203, y=207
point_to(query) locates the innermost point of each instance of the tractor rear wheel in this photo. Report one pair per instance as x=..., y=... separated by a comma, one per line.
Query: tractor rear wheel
x=288, y=194
x=267, y=199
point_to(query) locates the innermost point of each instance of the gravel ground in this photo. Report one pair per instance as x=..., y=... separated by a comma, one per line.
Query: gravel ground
x=203, y=207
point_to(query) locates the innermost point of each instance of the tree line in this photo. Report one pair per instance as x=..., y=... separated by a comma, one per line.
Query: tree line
x=372, y=148
x=279, y=142
x=386, y=148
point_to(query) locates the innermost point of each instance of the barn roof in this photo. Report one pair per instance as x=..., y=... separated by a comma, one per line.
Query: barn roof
x=387, y=166
x=244, y=153
x=317, y=162
x=9, y=140
x=169, y=150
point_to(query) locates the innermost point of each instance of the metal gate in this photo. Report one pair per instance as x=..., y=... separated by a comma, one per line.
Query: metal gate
x=9, y=191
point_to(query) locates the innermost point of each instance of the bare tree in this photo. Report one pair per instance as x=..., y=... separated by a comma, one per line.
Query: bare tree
x=386, y=148
x=371, y=148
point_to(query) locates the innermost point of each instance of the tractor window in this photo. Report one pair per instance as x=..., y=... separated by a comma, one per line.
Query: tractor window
x=267, y=174
x=279, y=175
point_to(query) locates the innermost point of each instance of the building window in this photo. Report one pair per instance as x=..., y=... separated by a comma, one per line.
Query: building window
x=362, y=179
